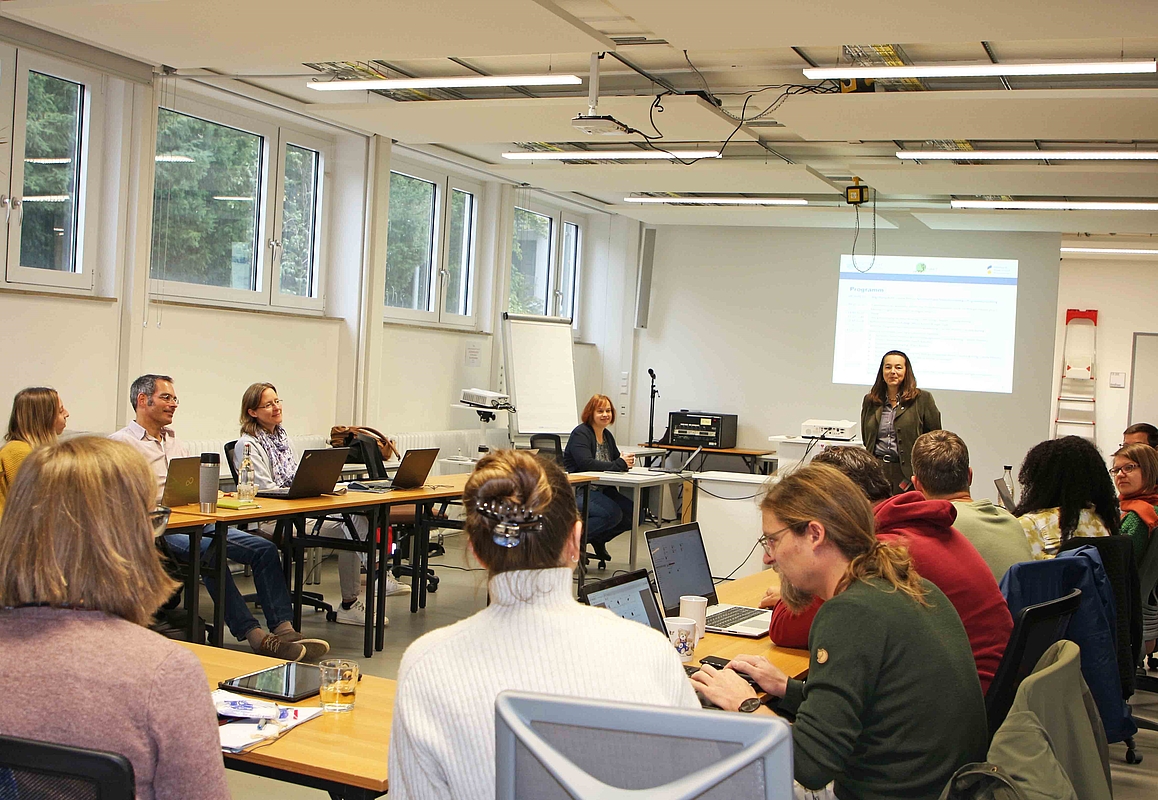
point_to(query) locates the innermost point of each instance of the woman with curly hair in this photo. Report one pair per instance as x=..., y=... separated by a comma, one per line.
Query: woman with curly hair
x=1066, y=491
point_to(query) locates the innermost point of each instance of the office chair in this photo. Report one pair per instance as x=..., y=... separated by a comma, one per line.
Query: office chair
x=30, y=768
x=315, y=600
x=551, y=747
x=549, y=445
x=403, y=517
x=1035, y=629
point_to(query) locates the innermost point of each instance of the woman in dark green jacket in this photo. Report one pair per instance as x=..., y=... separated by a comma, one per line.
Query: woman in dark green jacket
x=894, y=413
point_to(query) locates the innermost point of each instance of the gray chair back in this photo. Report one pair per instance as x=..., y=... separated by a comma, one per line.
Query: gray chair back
x=30, y=768
x=551, y=747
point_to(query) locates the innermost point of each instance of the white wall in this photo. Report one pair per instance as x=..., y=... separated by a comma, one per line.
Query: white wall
x=743, y=321
x=1122, y=291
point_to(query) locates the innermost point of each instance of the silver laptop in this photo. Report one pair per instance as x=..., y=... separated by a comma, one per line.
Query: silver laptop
x=682, y=466
x=681, y=568
x=182, y=482
x=1004, y=495
x=628, y=596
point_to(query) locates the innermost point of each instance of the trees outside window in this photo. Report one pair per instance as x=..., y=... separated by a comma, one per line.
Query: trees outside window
x=545, y=262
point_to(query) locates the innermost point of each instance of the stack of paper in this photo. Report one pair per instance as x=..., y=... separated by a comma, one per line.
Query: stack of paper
x=255, y=721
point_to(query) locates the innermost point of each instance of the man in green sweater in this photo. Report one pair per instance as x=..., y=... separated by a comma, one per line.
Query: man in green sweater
x=892, y=706
x=941, y=471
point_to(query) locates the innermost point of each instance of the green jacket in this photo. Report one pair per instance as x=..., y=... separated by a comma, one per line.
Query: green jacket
x=913, y=418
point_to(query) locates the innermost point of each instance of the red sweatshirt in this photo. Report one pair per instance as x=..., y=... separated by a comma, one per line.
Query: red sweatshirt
x=944, y=557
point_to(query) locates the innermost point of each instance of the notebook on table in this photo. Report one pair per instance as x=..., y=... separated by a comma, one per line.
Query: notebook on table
x=317, y=473
x=681, y=568
x=182, y=482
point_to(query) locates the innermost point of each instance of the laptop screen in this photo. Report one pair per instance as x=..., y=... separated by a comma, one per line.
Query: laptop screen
x=680, y=564
x=630, y=599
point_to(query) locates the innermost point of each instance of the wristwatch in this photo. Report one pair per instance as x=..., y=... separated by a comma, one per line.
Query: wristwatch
x=749, y=705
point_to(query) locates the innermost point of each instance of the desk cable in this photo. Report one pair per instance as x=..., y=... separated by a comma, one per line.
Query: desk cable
x=728, y=577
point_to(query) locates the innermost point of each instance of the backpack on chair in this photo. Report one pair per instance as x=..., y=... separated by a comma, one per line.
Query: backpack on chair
x=347, y=436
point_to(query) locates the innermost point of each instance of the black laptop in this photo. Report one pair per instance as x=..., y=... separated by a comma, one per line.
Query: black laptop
x=412, y=472
x=628, y=596
x=317, y=473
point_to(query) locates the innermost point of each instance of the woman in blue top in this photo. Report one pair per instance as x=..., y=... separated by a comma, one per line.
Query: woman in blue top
x=591, y=448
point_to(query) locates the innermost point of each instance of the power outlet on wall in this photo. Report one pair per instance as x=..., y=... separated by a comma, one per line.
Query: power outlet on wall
x=1117, y=380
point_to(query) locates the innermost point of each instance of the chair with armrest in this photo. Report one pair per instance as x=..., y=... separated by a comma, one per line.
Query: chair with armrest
x=550, y=747
x=30, y=768
x=1035, y=629
x=403, y=518
x=549, y=445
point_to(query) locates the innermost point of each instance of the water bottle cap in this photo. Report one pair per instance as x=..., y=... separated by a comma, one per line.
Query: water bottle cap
x=1009, y=466
x=210, y=458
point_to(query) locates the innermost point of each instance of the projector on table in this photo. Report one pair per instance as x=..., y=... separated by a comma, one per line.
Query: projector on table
x=481, y=398
x=842, y=429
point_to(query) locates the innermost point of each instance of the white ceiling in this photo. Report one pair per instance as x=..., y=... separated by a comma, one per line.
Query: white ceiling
x=811, y=144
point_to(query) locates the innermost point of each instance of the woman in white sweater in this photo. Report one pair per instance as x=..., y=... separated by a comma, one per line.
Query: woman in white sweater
x=274, y=465
x=533, y=637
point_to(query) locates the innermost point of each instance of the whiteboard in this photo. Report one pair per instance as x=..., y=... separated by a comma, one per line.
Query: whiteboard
x=540, y=367
x=1144, y=379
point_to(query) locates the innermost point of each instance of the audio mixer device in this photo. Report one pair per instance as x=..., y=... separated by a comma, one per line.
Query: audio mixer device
x=702, y=429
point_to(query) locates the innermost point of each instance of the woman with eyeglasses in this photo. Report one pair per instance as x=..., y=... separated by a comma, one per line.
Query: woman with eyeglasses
x=80, y=579
x=38, y=417
x=893, y=705
x=274, y=465
x=1135, y=473
x=1065, y=492
x=523, y=526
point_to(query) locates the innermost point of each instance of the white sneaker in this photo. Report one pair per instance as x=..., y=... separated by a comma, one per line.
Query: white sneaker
x=354, y=615
x=391, y=586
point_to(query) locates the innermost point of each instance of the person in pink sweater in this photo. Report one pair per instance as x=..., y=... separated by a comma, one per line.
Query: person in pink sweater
x=80, y=579
x=940, y=553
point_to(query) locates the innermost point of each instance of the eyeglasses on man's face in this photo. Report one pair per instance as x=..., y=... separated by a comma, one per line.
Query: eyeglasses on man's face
x=769, y=541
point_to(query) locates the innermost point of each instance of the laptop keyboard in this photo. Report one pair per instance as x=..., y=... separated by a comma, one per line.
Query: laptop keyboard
x=731, y=616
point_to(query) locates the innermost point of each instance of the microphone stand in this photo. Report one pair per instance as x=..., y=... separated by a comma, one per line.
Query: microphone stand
x=651, y=414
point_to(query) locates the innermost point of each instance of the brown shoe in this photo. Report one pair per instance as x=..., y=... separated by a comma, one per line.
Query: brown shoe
x=315, y=648
x=274, y=646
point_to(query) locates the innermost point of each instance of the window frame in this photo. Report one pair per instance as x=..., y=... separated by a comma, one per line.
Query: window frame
x=445, y=184
x=559, y=216
x=276, y=134
x=90, y=146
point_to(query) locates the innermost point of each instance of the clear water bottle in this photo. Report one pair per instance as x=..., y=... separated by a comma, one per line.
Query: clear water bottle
x=1008, y=479
x=246, y=487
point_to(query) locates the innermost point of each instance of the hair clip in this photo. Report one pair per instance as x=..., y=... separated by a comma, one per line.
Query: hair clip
x=511, y=521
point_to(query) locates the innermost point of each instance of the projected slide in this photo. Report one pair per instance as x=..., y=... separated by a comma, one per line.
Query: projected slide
x=955, y=317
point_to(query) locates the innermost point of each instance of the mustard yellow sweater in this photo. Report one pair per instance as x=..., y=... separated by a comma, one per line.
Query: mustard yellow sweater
x=12, y=455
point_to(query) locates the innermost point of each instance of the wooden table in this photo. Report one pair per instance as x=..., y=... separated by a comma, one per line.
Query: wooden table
x=751, y=458
x=748, y=591
x=344, y=754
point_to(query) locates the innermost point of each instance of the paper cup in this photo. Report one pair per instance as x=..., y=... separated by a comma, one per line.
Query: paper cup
x=682, y=632
x=695, y=607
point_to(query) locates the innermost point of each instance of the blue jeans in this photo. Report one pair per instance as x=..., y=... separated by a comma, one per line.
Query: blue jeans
x=261, y=556
x=609, y=515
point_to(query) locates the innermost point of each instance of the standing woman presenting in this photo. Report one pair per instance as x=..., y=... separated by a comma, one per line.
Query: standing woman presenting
x=894, y=413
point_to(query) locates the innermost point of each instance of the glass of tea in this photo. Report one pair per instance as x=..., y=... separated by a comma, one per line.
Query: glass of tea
x=339, y=683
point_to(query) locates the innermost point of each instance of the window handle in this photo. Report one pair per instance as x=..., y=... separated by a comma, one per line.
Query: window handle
x=275, y=246
x=18, y=204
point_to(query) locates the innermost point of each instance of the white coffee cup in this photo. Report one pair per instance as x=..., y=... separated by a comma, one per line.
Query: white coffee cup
x=695, y=607
x=682, y=632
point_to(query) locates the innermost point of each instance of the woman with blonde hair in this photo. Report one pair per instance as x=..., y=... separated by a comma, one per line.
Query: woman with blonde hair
x=80, y=578
x=886, y=646
x=37, y=418
x=522, y=525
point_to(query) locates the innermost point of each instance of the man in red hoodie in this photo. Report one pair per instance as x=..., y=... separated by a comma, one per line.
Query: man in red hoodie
x=940, y=553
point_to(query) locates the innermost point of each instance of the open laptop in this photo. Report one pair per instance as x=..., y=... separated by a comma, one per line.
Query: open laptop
x=317, y=473
x=1004, y=495
x=182, y=482
x=412, y=471
x=681, y=568
x=628, y=596
x=682, y=467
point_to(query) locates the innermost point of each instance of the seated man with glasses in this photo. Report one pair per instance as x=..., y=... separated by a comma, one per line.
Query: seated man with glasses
x=154, y=400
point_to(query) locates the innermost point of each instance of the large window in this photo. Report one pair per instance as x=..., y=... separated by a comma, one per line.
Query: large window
x=546, y=251
x=55, y=155
x=237, y=209
x=430, y=246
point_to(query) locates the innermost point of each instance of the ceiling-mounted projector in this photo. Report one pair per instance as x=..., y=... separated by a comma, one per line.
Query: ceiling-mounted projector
x=598, y=125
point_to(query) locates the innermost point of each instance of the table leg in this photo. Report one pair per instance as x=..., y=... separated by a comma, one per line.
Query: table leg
x=220, y=532
x=586, y=489
x=193, y=585
x=371, y=580
x=297, y=527
x=425, y=515
x=380, y=616
x=635, y=495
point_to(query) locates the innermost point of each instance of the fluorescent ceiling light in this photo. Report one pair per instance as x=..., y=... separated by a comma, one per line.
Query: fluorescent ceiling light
x=720, y=201
x=1054, y=205
x=1028, y=155
x=46, y=198
x=172, y=158
x=984, y=70
x=609, y=155
x=237, y=199
x=465, y=82
x=48, y=161
x=1111, y=251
